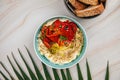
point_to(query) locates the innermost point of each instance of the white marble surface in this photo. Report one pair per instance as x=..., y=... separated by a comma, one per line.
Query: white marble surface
x=20, y=18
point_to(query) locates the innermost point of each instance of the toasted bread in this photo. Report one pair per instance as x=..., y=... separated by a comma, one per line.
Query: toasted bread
x=77, y=5
x=90, y=11
x=89, y=2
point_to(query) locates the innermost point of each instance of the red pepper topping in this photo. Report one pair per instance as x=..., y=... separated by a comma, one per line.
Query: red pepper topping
x=59, y=32
x=46, y=41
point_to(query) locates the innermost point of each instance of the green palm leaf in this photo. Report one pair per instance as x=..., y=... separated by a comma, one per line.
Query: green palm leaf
x=47, y=75
x=56, y=76
x=3, y=75
x=21, y=70
x=7, y=71
x=32, y=75
x=107, y=72
x=16, y=72
x=69, y=77
x=63, y=75
x=46, y=72
x=88, y=71
x=80, y=77
x=40, y=77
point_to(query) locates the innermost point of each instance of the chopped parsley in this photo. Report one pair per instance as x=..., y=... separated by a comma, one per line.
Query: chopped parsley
x=63, y=37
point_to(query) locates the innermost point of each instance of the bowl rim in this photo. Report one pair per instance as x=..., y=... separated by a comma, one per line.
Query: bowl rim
x=44, y=60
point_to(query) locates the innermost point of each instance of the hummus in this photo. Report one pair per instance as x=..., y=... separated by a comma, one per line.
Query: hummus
x=61, y=54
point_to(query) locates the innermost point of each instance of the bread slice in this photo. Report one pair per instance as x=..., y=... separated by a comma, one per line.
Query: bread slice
x=89, y=2
x=77, y=5
x=90, y=11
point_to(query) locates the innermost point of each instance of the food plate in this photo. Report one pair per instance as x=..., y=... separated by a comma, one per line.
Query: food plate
x=47, y=61
x=85, y=8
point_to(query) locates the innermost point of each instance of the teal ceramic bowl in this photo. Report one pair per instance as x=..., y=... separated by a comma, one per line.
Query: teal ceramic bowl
x=59, y=66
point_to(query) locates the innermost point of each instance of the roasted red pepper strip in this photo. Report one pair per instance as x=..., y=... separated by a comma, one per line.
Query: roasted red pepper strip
x=54, y=37
x=74, y=26
x=57, y=24
x=68, y=32
x=46, y=41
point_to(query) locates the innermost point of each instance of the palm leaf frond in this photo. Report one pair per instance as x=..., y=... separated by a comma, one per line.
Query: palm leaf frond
x=88, y=71
x=39, y=75
x=7, y=71
x=56, y=76
x=32, y=75
x=80, y=77
x=3, y=75
x=69, y=77
x=16, y=72
x=46, y=72
x=21, y=70
x=107, y=72
x=63, y=75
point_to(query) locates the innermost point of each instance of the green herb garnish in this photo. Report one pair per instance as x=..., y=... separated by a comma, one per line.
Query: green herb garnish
x=63, y=38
